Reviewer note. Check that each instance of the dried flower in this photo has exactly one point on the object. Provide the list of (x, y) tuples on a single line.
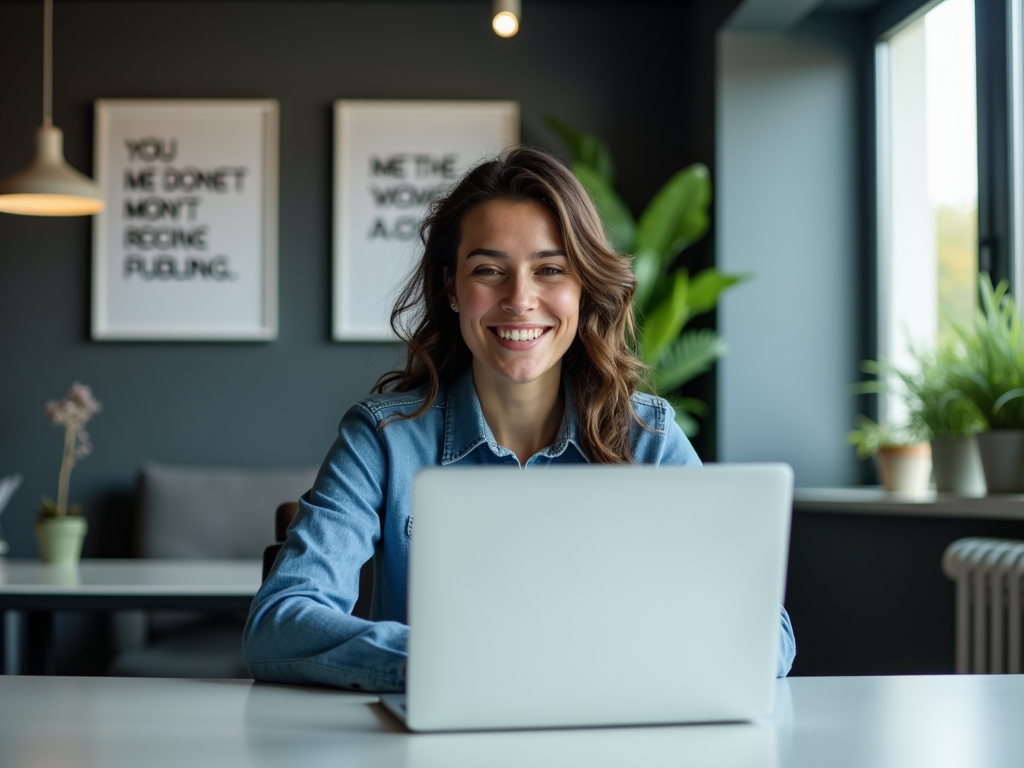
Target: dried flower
[(72, 413)]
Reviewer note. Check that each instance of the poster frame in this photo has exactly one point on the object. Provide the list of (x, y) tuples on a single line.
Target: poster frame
[(345, 151), (267, 112)]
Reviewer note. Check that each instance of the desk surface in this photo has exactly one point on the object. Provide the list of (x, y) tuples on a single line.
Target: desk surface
[(854, 722), (124, 584), (132, 577)]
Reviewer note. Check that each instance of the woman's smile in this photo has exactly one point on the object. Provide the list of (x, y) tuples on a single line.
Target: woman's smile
[(519, 337)]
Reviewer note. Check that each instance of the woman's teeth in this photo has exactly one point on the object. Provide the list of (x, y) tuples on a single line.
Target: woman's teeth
[(517, 335)]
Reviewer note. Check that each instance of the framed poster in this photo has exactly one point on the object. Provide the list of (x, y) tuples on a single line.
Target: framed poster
[(391, 159), (186, 249)]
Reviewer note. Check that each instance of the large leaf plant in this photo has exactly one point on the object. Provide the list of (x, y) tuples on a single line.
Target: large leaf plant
[(667, 296)]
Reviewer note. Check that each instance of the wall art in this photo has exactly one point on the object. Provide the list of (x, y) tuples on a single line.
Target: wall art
[(187, 247), (391, 159)]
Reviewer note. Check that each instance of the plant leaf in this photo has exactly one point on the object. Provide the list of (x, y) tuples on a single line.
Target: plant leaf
[(647, 268), (705, 287), (667, 319), (584, 147), (677, 215), (619, 225), (690, 355), (684, 407)]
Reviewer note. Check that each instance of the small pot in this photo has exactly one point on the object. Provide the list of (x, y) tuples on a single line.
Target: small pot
[(905, 468), (60, 539), (956, 466), (1002, 457)]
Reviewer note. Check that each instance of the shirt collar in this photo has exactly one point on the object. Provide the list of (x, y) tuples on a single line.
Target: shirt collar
[(465, 427)]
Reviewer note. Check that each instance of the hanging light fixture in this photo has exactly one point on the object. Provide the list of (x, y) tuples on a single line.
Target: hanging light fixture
[(48, 186), (506, 17)]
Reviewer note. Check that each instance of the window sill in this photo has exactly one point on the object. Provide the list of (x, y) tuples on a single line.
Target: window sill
[(874, 501)]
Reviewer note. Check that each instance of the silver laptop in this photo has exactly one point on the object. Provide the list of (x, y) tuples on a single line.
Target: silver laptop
[(594, 595)]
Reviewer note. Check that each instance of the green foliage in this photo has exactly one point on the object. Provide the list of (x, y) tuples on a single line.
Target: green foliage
[(937, 407), (667, 298), (48, 508), (973, 382), (869, 437), (991, 373)]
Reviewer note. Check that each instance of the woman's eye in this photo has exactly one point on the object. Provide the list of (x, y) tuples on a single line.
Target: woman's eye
[(485, 271), (550, 271)]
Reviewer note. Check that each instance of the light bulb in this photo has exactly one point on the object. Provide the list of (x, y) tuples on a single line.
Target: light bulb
[(505, 24)]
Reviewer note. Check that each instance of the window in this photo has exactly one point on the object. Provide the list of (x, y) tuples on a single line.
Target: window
[(928, 182)]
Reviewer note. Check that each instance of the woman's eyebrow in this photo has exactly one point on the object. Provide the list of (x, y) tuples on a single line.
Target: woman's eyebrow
[(490, 252)]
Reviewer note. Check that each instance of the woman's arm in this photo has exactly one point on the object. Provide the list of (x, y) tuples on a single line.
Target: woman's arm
[(300, 627)]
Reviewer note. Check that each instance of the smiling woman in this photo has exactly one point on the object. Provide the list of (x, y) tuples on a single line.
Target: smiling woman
[(518, 354)]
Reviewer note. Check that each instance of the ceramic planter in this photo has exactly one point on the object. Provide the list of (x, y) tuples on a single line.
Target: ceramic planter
[(956, 466), (1002, 456), (905, 468), (60, 539)]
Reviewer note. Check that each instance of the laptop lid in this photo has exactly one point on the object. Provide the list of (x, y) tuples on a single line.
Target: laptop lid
[(595, 595)]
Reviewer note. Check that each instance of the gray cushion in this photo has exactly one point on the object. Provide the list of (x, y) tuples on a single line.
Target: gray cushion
[(204, 512)]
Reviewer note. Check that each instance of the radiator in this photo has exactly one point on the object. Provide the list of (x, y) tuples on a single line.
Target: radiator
[(988, 575)]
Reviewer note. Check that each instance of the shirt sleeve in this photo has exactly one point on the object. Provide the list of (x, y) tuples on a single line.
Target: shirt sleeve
[(300, 627), (787, 645), (676, 449)]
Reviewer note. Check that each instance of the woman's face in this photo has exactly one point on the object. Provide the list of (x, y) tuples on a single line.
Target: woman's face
[(518, 302)]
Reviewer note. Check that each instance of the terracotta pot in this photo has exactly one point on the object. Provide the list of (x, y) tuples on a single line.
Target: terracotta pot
[(956, 466), (60, 539), (1002, 456), (905, 468)]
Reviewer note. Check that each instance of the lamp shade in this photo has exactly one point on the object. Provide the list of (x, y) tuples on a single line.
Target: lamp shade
[(48, 186)]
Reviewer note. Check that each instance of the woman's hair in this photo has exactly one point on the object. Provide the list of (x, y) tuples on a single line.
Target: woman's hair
[(600, 364)]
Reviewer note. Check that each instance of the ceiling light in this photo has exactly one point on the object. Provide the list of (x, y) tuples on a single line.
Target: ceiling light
[(506, 17), (48, 186)]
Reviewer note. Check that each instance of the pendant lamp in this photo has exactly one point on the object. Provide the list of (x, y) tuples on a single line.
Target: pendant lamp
[(506, 15), (48, 186)]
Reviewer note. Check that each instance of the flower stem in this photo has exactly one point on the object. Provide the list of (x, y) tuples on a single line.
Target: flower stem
[(67, 462)]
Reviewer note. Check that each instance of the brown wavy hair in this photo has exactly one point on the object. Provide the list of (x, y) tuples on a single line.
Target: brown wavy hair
[(599, 363)]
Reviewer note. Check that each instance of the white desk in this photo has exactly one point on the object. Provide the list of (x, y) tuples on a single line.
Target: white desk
[(110, 585), (865, 722)]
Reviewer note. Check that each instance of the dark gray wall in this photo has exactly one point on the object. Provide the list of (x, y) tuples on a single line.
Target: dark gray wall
[(640, 75)]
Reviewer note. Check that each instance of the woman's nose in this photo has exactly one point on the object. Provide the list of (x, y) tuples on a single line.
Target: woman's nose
[(521, 296)]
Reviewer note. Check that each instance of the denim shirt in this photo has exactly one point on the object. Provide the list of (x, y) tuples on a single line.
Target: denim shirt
[(300, 627)]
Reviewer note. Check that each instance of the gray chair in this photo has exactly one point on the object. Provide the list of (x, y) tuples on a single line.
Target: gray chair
[(198, 513)]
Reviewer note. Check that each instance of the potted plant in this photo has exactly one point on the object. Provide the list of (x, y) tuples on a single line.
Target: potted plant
[(61, 529), (940, 413), (991, 377), (667, 296), (902, 455)]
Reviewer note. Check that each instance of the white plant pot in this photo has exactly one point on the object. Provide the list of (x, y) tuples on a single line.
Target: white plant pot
[(1002, 456), (956, 466), (905, 468)]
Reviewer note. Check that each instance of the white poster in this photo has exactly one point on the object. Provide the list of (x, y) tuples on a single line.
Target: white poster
[(392, 158), (187, 246)]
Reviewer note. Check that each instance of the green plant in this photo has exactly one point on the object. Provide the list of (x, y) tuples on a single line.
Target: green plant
[(870, 437), (667, 297), (991, 372), (938, 409)]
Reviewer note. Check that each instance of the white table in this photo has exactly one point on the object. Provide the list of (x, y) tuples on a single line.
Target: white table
[(37, 590), (855, 722)]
